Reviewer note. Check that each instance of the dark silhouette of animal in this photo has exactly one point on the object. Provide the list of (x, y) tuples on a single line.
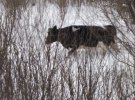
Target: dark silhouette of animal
[(75, 36)]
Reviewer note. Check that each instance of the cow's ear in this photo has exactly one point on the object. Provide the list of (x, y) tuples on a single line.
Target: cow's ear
[(55, 27)]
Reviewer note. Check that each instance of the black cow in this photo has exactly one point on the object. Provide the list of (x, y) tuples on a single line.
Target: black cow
[(75, 36)]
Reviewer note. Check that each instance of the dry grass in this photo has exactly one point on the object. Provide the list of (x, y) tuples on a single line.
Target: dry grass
[(32, 71)]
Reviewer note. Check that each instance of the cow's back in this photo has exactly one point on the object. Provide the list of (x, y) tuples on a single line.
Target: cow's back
[(76, 35)]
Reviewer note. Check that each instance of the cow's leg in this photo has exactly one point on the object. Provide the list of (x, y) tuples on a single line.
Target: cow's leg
[(107, 42), (72, 51), (94, 43), (73, 44), (113, 40)]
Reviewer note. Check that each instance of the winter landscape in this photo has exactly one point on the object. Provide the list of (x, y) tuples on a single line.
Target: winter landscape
[(30, 69)]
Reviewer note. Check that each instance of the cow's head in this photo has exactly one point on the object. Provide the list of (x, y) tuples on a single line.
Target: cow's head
[(52, 35)]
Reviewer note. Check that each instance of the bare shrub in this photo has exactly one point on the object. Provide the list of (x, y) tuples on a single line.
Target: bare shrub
[(32, 70)]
